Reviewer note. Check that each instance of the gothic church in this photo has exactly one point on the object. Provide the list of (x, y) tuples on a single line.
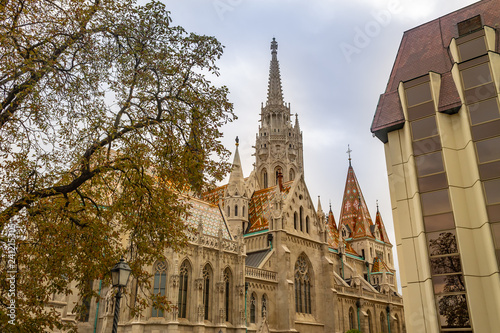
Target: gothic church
[(265, 259)]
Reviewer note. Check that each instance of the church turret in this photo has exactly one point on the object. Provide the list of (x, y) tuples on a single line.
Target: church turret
[(236, 196), (279, 143)]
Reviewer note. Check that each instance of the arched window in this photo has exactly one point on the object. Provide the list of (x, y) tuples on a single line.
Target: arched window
[(264, 306), (291, 174), (295, 218), (369, 319), (228, 211), (307, 224), (243, 211), (160, 281), (302, 286), (183, 289), (301, 218), (351, 318), (235, 210), (264, 178), (396, 324), (383, 324), (207, 274), (253, 305), (227, 289)]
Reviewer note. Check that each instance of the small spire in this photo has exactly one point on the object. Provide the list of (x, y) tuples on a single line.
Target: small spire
[(320, 209), (349, 151), (237, 141), (377, 205)]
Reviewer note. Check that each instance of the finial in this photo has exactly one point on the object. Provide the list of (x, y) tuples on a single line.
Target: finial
[(237, 141), (377, 205), (274, 46), (349, 151), (330, 201)]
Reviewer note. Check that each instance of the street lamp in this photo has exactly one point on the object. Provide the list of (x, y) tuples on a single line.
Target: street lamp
[(119, 277)]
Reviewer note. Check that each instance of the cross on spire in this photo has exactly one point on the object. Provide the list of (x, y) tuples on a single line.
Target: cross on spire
[(274, 46), (349, 151)]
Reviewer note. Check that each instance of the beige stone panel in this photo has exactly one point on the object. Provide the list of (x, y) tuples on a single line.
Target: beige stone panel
[(402, 98), (454, 50), (410, 173), (417, 220), (406, 142), (402, 266), (495, 68), (397, 226), (395, 147), (477, 251), (420, 309), (455, 73), (435, 84), (490, 36), (460, 166), (392, 192), (468, 206), (399, 182), (483, 296), (403, 220), (414, 254), (454, 129)]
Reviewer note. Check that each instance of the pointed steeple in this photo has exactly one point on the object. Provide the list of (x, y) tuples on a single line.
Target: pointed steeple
[(379, 224), (236, 176), (320, 209), (352, 202), (274, 92), (333, 232)]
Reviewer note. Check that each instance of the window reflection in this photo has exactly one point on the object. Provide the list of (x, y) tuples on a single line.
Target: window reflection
[(488, 150), (484, 111), (439, 222), (453, 311), (429, 164), (492, 189), (476, 76), (448, 283), (418, 94), (472, 48), (423, 128), (445, 265), (435, 202), (443, 242)]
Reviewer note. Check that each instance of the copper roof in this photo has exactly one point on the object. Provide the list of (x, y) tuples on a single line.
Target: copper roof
[(424, 49)]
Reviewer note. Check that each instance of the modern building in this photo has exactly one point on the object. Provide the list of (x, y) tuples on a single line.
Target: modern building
[(265, 259), (439, 120)]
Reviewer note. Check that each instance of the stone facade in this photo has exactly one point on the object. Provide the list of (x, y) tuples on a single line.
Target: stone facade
[(271, 261)]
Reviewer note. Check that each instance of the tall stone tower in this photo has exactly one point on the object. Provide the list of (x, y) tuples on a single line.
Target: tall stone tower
[(279, 143)]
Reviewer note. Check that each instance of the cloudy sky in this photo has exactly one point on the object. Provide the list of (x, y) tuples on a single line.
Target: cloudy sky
[(335, 60)]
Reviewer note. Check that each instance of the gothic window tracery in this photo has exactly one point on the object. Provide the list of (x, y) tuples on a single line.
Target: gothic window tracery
[(302, 286), (301, 218), (253, 305), (160, 281), (227, 289), (207, 275), (295, 219), (183, 289), (264, 306), (351, 318), (235, 210)]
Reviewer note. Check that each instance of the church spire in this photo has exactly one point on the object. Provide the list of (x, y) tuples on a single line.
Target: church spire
[(274, 91), (236, 175)]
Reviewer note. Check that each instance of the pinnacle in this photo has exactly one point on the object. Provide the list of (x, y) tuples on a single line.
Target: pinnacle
[(274, 92)]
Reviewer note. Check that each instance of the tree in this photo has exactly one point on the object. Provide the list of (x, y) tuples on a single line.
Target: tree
[(106, 114)]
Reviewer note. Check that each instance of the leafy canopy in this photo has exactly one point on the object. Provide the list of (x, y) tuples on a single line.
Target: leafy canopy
[(105, 112)]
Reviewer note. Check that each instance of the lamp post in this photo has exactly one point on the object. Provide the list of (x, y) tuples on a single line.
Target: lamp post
[(119, 276)]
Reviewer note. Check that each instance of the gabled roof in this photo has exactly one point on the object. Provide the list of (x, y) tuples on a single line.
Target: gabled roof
[(379, 266), (209, 216), (379, 224), (333, 232), (353, 197), (259, 208)]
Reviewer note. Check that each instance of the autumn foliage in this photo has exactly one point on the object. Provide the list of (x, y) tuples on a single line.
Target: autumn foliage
[(106, 111)]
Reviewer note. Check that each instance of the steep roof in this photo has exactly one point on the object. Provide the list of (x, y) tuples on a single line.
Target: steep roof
[(379, 224), (213, 196), (424, 49), (362, 226), (209, 216), (352, 202), (259, 208), (333, 232), (379, 266)]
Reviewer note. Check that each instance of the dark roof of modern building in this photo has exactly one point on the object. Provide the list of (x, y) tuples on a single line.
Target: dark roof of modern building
[(424, 49)]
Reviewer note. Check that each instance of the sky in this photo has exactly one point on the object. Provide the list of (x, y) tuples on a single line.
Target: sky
[(335, 60)]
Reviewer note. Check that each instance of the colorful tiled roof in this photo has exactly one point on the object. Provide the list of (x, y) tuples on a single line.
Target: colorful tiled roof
[(379, 266), (353, 197), (333, 232), (379, 224), (210, 217), (362, 226), (213, 196), (259, 209)]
